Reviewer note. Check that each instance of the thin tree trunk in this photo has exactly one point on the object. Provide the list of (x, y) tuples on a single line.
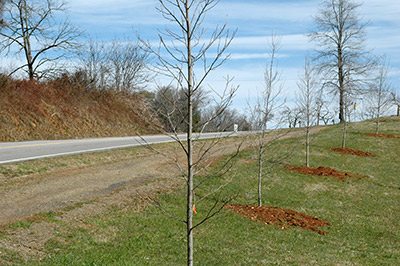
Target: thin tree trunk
[(260, 172), (342, 117), (378, 122), (308, 146), (344, 134), (190, 170), (398, 110), (26, 38), (378, 115)]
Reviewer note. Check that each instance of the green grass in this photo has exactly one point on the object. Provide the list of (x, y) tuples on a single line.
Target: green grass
[(364, 214)]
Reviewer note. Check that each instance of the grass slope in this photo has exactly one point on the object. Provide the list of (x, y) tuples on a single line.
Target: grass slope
[(364, 214)]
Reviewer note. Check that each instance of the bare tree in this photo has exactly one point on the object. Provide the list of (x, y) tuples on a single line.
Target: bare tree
[(320, 102), (307, 86), (1, 13), (93, 65), (226, 121), (170, 105), (264, 109), (127, 66), (349, 108), (379, 96), (327, 116), (32, 28), (396, 101), (292, 116), (341, 55), (188, 54), (119, 66)]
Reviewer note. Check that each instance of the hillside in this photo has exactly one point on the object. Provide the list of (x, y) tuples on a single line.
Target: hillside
[(63, 108)]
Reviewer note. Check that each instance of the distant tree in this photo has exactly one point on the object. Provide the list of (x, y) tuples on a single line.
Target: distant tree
[(379, 95), (341, 55), (319, 102), (349, 105), (93, 65), (170, 105), (127, 66), (292, 116), (33, 29), (119, 66), (307, 86), (226, 120), (327, 116), (396, 101)]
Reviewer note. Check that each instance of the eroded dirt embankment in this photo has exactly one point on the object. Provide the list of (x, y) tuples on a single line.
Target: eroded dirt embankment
[(64, 108)]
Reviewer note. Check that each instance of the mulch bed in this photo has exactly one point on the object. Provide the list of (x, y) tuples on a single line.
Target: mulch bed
[(283, 218), (386, 136), (353, 152), (323, 171)]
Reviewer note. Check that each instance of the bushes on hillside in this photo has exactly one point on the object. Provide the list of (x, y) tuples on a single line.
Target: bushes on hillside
[(65, 108)]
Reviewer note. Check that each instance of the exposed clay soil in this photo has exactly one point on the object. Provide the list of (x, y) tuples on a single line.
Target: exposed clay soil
[(386, 136), (353, 152), (283, 218), (65, 109), (323, 171)]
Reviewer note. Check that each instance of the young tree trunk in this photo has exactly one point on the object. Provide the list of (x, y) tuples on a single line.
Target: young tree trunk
[(377, 125), (190, 170), (344, 134), (398, 110), (308, 146), (342, 106), (260, 172)]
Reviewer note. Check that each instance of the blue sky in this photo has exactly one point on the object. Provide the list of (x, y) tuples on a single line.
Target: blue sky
[(255, 21)]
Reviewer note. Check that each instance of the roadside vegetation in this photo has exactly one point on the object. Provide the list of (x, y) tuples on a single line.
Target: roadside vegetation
[(362, 213), (65, 108)]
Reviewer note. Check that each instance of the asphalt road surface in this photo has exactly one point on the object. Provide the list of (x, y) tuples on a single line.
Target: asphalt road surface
[(11, 152)]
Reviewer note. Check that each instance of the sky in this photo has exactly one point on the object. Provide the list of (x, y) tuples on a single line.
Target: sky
[(255, 21)]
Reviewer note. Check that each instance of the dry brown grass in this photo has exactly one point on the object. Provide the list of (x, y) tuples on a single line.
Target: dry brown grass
[(63, 108)]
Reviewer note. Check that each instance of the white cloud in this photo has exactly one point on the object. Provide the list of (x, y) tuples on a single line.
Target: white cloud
[(287, 42), (267, 10), (101, 5)]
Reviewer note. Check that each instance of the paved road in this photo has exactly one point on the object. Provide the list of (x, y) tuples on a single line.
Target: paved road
[(11, 152)]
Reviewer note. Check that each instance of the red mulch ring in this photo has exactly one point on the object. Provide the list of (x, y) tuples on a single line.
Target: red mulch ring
[(353, 152), (386, 136), (323, 171), (283, 218)]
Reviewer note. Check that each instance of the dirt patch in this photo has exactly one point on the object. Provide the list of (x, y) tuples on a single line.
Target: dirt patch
[(323, 171), (283, 218), (386, 136), (353, 152)]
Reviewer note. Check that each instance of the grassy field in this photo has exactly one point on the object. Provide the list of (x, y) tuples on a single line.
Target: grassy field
[(364, 214)]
